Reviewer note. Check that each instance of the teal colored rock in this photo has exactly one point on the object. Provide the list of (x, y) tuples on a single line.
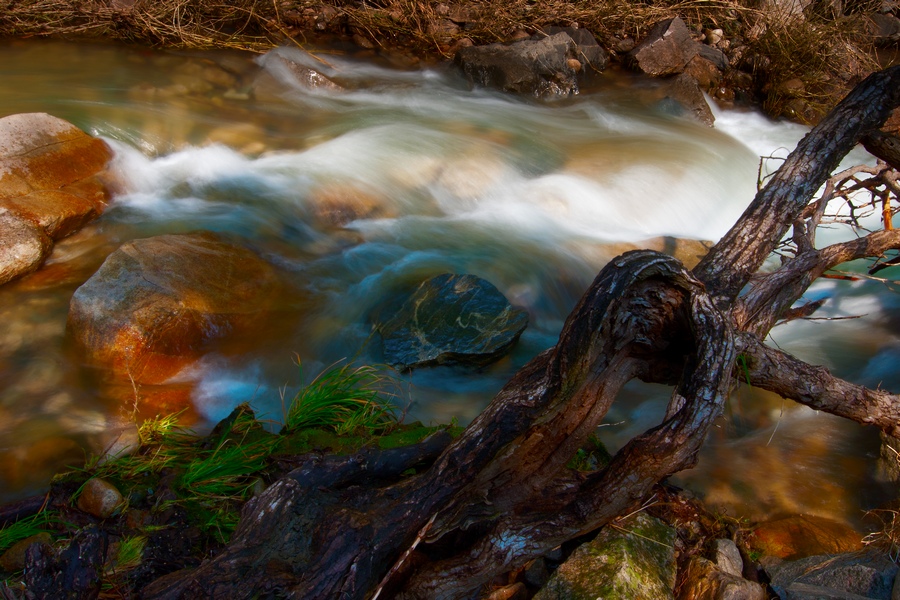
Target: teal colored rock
[(451, 319), (634, 559)]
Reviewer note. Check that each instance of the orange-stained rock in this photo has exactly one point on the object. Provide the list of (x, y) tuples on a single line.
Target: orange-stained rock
[(53, 180), (155, 304), (57, 213), (799, 536), (42, 152)]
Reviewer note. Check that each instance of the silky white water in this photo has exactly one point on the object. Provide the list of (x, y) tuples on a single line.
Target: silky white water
[(534, 197)]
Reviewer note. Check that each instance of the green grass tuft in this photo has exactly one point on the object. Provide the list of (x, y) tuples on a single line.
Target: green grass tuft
[(226, 472), (27, 527), (343, 400)]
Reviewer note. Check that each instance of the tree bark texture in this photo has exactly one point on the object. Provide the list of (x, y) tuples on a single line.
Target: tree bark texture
[(501, 494)]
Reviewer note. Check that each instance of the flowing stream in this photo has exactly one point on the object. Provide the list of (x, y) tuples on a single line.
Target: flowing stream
[(534, 197)]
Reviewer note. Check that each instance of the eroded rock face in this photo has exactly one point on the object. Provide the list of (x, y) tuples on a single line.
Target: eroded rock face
[(451, 319), (52, 182), (538, 68), (155, 304)]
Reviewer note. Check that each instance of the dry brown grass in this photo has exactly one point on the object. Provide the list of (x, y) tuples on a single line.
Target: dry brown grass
[(247, 24)]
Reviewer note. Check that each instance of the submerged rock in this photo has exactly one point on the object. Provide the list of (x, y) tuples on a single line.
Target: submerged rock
[(798, 536), (52, 182), (451, 319), (155, 303), (635, 559)]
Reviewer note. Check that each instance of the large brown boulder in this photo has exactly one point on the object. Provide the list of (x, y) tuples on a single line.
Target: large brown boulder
[(666, 50), (155, 304), (52, 182)]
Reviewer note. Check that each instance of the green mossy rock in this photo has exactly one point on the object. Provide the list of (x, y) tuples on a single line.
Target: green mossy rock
[(634, 559)]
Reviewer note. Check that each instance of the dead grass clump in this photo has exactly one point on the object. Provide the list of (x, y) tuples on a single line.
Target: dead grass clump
[(804, 65), (245, 24)]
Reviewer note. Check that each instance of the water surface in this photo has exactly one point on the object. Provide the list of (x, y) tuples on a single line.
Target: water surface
[(535, 197)]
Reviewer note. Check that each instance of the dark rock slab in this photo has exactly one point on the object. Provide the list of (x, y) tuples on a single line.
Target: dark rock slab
[(588, 50), (885, 29), (73, 573), (451, 319), (539, 68), (868, 574)]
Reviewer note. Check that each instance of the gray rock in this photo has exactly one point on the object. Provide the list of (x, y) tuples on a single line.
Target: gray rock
[(728, 557), (23, 246), (666, 50), (868, 574), (536, 573), (784, 12), (451, 319), (635, 559), (713, 55), (539, 68), (885, 29)]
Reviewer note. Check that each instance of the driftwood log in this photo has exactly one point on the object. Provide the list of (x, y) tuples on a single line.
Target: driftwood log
[(501, 494)]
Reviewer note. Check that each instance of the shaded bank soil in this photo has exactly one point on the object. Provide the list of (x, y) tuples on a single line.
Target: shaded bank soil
[(794, 58), (113, 527), (167, 499)]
